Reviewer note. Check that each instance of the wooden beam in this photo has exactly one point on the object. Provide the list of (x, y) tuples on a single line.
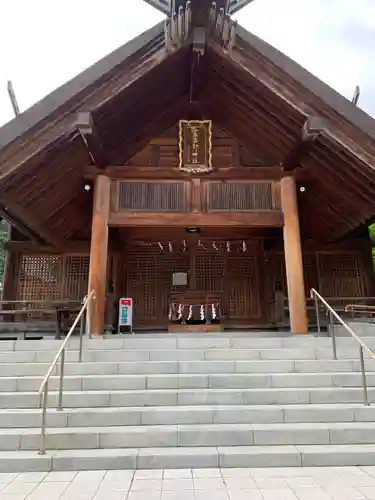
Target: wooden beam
[(98, 253), (182, 219), (21, 227), (85, 125), (293, 256), (78, 247), (143, 172), (312, 128)]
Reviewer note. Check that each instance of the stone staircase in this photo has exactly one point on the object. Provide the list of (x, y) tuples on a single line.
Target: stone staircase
[(170, 401)]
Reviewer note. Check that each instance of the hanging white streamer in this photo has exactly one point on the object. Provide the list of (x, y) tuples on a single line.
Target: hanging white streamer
[(213, 310), (160, 246), (180, 309), (202, 312), (190, 312), (170, 247)]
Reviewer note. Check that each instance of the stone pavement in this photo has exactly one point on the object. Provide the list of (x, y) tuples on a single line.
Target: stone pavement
[(325, 483)]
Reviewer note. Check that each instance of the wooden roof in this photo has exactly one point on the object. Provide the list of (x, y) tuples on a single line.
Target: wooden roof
[(256, 93)]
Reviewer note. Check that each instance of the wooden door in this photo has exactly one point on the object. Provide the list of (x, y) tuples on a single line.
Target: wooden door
[(243, 287)]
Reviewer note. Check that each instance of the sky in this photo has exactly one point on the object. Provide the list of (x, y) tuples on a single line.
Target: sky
[(43, 44)]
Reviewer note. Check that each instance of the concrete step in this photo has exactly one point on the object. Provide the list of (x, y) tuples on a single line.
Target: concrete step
[(24, 368), (189, 457), (169, 341), (170, 397), (186, 435), (188, 381), (214, 354), (174, 415)]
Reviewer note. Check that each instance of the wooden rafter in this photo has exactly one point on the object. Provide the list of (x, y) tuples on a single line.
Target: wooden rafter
[(86, 127)]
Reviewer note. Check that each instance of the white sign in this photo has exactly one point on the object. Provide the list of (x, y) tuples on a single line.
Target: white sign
[(125, 317)]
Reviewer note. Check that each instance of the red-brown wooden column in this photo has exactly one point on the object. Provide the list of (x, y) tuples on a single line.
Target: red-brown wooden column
[(98, 252), (293, 256)]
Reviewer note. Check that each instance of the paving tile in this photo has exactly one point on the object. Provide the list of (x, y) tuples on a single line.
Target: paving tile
[(235, 472), (312, 494), (240, 483), (118, 476), (279, 494), (19, 488), (211, 495), (48, 491), (271, 483), (302, 482), (368, 492), (145, 495), (176, 495), (206, 473), (148, 474), (209, 484), (146, 485), (30, 477), (110, 495), (7, 477), (245, 495), (12, 497), (60, 476), (178, 473), (177, 484), (344, 493), (74, 495)]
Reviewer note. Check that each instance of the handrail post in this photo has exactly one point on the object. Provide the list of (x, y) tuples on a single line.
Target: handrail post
[(42, 447), (62, 363), (364, 381), (81, 332), (333, 335), (317, 312)]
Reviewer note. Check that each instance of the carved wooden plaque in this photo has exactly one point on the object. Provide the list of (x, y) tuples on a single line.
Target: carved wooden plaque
[(195, 145)]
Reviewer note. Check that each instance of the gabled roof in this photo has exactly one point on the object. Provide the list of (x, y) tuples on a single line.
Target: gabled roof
[(256, 93)]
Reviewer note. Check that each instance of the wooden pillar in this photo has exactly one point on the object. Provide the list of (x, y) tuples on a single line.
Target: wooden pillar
[(98, 252), (293, 256)]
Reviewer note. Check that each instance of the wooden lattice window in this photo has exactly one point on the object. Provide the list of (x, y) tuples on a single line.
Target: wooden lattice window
[(76, 276), (40, 277), (152, 196), (340, 275), (209, 269), (240, 196)]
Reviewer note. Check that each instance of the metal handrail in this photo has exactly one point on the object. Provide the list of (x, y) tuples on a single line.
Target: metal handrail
[(362, 346), (43, 389)]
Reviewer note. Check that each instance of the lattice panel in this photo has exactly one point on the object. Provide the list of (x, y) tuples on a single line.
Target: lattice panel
[(76, 276), (209, 269), (244, 196), (340, 275), (142, 274), (243, 287), (310, 271), (40, 277), (152, 196)]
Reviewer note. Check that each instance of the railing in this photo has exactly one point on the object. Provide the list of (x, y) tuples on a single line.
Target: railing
[(43, 390), (362, 346)]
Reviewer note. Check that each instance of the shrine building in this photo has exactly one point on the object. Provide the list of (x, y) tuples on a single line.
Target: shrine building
[(198, 172)]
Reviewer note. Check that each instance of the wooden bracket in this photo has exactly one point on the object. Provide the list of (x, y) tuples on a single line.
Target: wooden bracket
[(84, 123), (311, 130)]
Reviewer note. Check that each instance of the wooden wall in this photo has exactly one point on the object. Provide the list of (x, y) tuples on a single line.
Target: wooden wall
[(249, 280), (52, 277), (226, 151)]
